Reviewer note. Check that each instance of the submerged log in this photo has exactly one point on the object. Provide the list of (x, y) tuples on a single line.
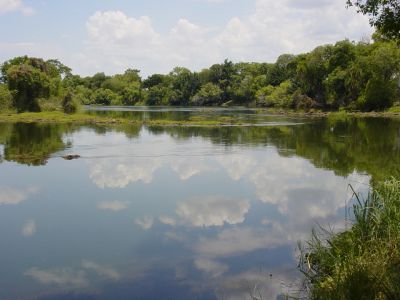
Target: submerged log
[(71, 156)]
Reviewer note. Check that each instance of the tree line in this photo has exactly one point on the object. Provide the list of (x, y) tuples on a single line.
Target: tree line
[(357, 76)]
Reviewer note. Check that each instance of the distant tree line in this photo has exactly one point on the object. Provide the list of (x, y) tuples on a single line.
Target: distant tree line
[(357, 76)]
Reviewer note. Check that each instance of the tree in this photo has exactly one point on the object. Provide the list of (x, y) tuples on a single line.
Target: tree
[(31, 78), (209, 94), (28, 84), (104, 97), (5, 97), (185, 84), (379, 94), (383, 14), (131, 94)]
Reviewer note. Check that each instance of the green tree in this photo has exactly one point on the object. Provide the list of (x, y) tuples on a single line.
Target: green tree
[(383, 14), (379, 94), (184, 84), (131, 94), (5, 98), (209, 94), (104, 97), (28, 84)]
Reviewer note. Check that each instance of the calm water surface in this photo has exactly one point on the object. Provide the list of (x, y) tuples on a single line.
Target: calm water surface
[(177, 212)]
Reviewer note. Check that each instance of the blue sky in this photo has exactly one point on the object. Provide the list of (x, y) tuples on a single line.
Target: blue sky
[(154, 35)]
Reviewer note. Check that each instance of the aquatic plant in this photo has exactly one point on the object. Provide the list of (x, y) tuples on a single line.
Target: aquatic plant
[(364, 261)]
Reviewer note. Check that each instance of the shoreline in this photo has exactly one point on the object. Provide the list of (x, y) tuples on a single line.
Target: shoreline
[(84, 118)]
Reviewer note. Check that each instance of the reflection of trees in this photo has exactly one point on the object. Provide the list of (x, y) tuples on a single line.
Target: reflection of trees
[(357, 144), (32, 144)]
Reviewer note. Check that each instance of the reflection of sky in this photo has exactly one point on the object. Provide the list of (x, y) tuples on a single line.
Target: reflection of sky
[(157, 217)]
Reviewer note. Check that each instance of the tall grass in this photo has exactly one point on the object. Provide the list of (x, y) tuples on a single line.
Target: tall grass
[(364, 261)]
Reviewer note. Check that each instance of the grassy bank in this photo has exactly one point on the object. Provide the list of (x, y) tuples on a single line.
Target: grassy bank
[(83, 118), (363, 262)]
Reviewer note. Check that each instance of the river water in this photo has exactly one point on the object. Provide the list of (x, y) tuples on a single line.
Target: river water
[(178, 212)]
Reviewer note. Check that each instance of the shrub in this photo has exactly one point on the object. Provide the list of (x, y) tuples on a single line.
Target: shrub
[(69, 105)]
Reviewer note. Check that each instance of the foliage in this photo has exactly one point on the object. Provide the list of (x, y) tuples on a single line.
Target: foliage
[(362, 262), (279, 96), (30, 79), (28, 84), (68, 103), (5, 98), (209, 94), (347, 75), (103, 96), (384, 14)]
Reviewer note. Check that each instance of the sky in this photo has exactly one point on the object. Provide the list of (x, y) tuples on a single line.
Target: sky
[(155, 36)]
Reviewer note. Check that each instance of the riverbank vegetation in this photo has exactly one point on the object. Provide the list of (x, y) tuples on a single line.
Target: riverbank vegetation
[(363, 262), (362, 76)]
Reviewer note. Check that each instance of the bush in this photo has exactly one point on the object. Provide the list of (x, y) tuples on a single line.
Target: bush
[(69, 105), (51, 104)]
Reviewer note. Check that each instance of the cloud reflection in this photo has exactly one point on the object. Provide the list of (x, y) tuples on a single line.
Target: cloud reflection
[(211, 267), (105, 272), (119, 173), (29, 228), (113, 205), (146, 223), (213, 211), (12, 196), (65, 278)]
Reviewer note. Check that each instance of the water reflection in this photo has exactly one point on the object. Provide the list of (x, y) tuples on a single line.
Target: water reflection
[(154, 213), (212, 211)]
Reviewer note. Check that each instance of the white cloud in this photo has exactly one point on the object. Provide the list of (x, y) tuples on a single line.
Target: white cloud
[(115, 27), (8, 6), (113, 205), (29, 228), (117, 41), (11, 196), (213, 211), (146, 223)]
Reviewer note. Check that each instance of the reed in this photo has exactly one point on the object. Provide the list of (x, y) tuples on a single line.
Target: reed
[(364, 261)]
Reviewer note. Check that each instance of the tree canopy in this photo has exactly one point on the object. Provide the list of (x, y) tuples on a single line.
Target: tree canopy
[(356, 76), (383, 14)]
